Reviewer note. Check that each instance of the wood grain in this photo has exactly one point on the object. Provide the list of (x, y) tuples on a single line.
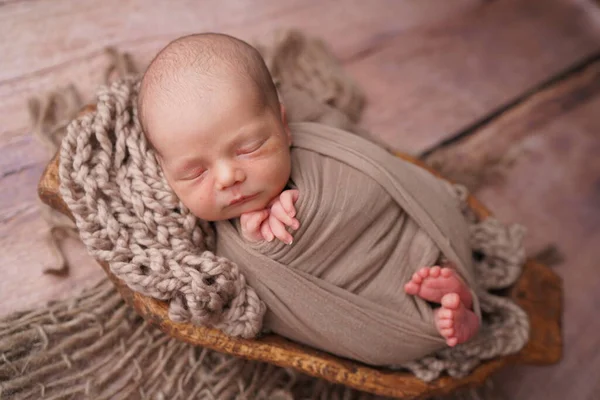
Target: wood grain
[(538, 292), (440, 80), (480, 157)]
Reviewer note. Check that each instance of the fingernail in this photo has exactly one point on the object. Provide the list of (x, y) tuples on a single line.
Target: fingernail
[(291, 241), (270, 238), (295, 225)]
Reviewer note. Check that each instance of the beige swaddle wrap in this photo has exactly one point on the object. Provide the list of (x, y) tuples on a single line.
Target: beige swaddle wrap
[(369, 220)]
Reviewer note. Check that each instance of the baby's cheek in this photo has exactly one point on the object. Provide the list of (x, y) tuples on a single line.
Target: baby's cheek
[(204, 198), (193, 199), (277, 177)]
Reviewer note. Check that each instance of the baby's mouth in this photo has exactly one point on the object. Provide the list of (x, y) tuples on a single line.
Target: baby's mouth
[(242, 199)]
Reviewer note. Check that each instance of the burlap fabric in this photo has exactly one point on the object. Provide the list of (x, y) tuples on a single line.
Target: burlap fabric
[(37, 346)]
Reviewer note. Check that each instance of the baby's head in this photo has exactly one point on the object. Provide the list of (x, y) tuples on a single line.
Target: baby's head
[(210, 110)]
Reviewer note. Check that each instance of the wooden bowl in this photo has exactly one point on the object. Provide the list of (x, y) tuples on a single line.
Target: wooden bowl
[(538, 291)]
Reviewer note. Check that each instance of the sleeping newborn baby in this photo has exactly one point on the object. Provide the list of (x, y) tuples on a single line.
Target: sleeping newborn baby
[(344, 261)]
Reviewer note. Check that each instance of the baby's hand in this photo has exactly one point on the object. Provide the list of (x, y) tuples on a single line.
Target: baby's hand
[(252, 223), (282, 213), (270, 223)]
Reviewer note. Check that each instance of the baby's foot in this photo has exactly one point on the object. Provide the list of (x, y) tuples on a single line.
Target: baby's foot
[(432, 283), (454, 321)]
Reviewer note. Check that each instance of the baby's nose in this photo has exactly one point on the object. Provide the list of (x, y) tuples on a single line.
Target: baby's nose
[(228, 175)]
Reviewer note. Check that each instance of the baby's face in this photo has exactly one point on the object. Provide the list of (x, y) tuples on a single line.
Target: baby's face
[(222, 156)]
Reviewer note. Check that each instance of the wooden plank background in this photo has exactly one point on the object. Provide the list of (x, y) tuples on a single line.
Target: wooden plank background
[(505, 82)]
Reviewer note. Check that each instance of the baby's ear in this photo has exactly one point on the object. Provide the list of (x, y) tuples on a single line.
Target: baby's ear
[(285, 124)]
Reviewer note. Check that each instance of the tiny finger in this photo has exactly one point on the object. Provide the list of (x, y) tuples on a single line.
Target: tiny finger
[(279, 231), (265, 230), (257, 219), (253, 224), (278, 212), (288, 199)]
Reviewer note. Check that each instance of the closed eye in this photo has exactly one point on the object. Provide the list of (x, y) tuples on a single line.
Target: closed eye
[(251, 148), (194, 175)]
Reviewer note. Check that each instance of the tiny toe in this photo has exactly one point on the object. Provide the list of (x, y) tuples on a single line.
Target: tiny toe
[(452, 341), (451, 301), (434, 271), (411, 288), (416, 278), (423, 272), (445, 314), (446, 272), (446, 323), (446, 332)]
